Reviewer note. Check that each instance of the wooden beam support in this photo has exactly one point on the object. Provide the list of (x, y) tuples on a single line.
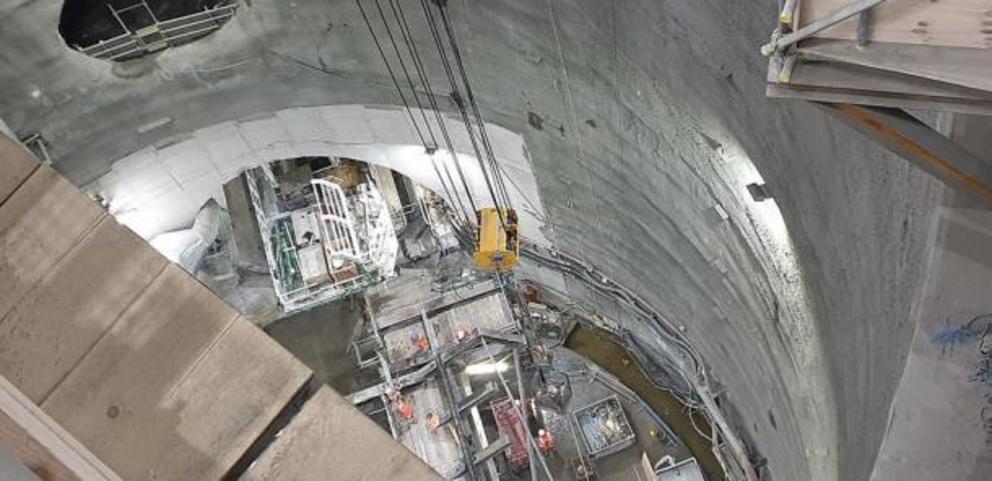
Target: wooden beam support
[(41, 444)]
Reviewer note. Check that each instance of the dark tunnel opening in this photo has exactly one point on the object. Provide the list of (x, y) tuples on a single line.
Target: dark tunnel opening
[(147, 25)]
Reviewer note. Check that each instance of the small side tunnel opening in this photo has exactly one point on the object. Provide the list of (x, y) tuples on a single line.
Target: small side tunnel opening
[(119, 30)]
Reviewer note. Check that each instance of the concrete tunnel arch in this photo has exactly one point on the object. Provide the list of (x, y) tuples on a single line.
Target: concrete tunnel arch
[(160, 188)]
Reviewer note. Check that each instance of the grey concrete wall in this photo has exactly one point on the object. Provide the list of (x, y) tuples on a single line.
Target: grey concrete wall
[(651, 112), (940, 425)]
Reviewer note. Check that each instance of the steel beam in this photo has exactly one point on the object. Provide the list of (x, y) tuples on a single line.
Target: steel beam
[(918, 143)]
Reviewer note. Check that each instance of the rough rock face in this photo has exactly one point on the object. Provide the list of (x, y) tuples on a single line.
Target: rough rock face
[(640, 116)]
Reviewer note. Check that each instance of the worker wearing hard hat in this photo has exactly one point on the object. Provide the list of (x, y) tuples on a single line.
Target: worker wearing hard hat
[(546, 442), (401, 405)]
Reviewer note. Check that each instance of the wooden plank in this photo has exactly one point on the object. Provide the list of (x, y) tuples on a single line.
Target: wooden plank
[(60, 320), (839, 75), (39, 223), (41, 444), (16, 164), (230, 398), (869, 98), (330, 439), (966, 67), (949, 23), (114, 400)]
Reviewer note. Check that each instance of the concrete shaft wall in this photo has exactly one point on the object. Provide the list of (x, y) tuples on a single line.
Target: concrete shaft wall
[(639, 117)]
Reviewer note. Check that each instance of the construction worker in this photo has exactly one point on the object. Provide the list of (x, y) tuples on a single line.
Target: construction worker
[(433, 421), (511, 230), (421, 343), (546, 442), (405, 410), (401, 405)]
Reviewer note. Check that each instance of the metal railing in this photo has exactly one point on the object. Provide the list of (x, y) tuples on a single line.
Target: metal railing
[(159, 34), (305, 296), (336, 223)]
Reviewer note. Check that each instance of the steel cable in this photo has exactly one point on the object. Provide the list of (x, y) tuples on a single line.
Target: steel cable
[(459, 102), (470, 96), (389, 69), (418, 65)]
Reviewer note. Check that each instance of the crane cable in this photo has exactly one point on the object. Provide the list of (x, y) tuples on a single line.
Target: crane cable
[(489, 167), (456, 54), (389, 69), (456, 93), (470, 96), (400, 16), (406, 73), (451, 197)]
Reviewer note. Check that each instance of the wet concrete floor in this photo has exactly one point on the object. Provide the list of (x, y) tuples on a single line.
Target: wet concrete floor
[(321, 339), (604, 350)]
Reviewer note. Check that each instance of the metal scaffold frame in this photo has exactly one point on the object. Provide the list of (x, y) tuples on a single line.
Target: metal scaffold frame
[(458, 407), (338, 238)]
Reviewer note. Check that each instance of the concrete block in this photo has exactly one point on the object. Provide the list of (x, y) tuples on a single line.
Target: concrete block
[(186, 161), (263, 133), (58, 321), (39, 224), (120, 400), (228, 400), (346, 124), (303, 124), (33, 447), (223, 144), (330, 439), (391, 129)]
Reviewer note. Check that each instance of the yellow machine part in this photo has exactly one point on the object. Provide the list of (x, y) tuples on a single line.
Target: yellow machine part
[(495, 250)]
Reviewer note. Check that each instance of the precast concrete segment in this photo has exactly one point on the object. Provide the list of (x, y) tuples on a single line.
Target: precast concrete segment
[(318, 443), (643, 120)]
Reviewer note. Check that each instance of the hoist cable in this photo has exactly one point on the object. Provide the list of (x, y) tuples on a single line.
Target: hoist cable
[(406, 105), (456, 53), (439, 44), (444, 185), (406, 73), (422, 74), (389, 69)]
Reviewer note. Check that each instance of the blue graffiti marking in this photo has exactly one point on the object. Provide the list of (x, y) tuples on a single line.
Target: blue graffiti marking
[(983, 369), (948, 337)]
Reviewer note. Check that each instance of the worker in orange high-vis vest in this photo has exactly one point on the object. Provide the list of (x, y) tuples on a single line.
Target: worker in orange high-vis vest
[(401, 405), (405, 409), (546, 442)]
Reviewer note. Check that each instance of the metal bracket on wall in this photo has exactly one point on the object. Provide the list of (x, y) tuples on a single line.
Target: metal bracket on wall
[(920, 144)]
